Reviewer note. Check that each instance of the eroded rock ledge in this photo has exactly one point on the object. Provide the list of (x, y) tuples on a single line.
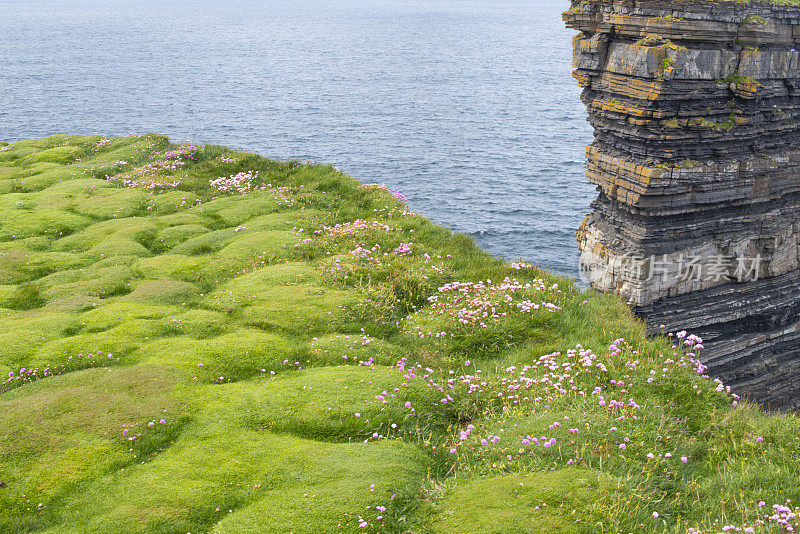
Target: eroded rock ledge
[(696, 113)]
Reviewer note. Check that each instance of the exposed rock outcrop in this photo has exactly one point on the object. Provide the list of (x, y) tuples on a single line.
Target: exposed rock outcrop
[(696, 113)]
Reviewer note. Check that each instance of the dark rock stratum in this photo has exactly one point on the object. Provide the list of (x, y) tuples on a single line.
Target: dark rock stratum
[(696, 113)]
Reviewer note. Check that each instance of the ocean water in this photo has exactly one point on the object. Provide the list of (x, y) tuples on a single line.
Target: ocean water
[(467, 107)]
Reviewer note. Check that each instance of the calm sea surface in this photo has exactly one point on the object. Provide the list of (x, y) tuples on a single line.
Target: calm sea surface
[(467, 107)]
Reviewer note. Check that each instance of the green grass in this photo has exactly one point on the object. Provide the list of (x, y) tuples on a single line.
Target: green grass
[(292, 359), (567, 500)]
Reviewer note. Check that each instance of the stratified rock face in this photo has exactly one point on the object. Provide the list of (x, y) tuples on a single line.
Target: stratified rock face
[(696, 113)]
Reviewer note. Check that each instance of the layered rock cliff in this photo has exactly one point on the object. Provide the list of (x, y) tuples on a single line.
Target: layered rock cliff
[(696, 113)]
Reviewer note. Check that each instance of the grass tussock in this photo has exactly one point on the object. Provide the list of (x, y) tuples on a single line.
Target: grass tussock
[(200, 340)]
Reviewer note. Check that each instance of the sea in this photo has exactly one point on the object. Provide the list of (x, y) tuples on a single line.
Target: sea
[(467, 107)]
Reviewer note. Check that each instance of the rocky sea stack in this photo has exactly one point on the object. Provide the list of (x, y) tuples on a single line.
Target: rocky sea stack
[(696, 113)]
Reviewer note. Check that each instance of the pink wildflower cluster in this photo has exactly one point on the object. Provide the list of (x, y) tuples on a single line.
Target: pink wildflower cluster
[(404, 249), (392, 211), (395, 194), (141, 178), (362, 260), (80, 361), (283, 195), (349, 229), (578, 375), (179, 154), (556, 374), (504, 389), (241, 182), (157, 174), (783, 517), (481, 303), (333, 239), (364, 254)]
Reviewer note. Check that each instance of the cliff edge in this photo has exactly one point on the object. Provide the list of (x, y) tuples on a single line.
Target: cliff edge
[(696, 113)]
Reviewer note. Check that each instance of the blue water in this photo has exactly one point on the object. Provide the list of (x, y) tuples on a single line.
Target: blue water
[(465, 106)]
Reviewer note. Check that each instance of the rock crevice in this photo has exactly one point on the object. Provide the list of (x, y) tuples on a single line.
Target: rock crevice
[(696, 112)]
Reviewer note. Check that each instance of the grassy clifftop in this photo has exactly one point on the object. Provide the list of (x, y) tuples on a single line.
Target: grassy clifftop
[(195, 339)]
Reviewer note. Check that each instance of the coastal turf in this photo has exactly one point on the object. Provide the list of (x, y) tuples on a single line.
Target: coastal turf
[(195, 339)]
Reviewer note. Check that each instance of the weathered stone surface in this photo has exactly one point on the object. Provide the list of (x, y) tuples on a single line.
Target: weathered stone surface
[(696, 112)]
